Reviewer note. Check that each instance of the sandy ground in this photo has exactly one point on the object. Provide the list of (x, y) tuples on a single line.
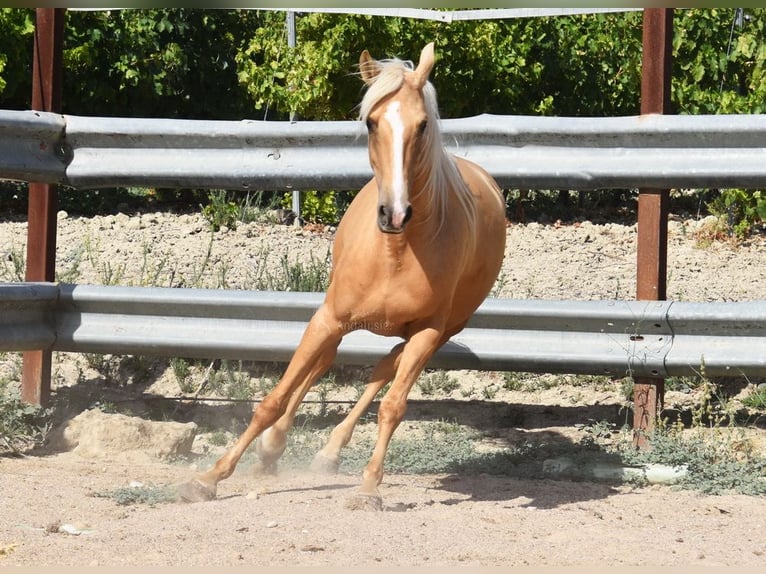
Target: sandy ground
[(52, 513), (427, 520)]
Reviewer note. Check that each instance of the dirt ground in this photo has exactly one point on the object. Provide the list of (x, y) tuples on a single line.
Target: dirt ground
[(301, 519), (53, 512)]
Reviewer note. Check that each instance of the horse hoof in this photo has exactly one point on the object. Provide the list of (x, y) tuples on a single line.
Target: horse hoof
[(324, 465), (365, 502), (195, 491)]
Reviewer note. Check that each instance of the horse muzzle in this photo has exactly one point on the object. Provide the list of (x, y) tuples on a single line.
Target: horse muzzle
[(391, 220)]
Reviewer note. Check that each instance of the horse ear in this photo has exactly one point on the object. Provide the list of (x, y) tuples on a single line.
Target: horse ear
[(426, 64), (368, 68)]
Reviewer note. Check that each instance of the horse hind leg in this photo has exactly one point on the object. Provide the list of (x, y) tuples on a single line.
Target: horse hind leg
[(415, 355), (327, 460)]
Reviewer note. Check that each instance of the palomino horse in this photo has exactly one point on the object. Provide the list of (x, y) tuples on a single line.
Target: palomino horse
[(415, 254)]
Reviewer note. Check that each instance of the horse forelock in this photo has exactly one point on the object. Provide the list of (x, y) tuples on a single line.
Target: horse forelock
[(389, 79), (436, 167)]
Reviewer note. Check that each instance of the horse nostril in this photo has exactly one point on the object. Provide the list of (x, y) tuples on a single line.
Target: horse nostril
[(407, 214)]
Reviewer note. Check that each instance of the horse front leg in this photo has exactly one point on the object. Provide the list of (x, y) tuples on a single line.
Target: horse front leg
[(314, 355), (271, 444), (415, 355)]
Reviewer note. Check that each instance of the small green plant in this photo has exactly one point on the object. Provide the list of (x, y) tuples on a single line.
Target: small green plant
[(182, 372), (437, 382), (105, 365), (757, 399), (218, 438), (231, 380), (221, 211), (150, 495), (311, 277), (153, 269), (316, 206), (68, 269), (489, 391), (14, 265), (290, 274), (717, 461), (22, 426), (198, 270), (529, 382), (739, 210)]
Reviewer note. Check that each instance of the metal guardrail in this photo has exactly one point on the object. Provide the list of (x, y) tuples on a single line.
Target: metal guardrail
[(617, 338), (521, 152)]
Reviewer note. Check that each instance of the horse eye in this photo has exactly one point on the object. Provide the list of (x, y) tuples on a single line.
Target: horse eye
[(370, 126), (422, 127)]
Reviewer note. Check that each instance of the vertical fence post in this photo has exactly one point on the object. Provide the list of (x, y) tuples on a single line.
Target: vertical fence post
[(653, 206), (41, 220), (291, 42)]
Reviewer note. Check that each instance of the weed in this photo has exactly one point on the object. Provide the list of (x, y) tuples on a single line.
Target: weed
[(104, 365), (68, 269), (218, 438), (199, 271), (528, 382), (220, 211), (152, 270), (717, 462), (151, 495), (223, 211), (230, 380), (313, 277), (316, 206), (489, 391), (439, 446), (22, 425), (322, 388), (682, 384), (436, 382), (182, 373), (739, 211), (719, 459), (14, 265), (756, 399)]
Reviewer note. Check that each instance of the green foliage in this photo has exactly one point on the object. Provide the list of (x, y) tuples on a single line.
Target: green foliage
[(740, 210), (221, 212), (316, 206), (312, 277), (13, 265), (22, 425), (229, 64), (756, 400), (716, 462), (17, 27), (213, 63), (440, 446), (292, 274), (229, 209), (149, 495), (719, 64), (167, 62), (437, 382)]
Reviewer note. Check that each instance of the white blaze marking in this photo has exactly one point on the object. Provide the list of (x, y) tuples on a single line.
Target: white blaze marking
[(394, 119)]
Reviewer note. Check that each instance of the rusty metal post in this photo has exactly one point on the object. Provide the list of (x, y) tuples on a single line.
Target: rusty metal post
[(653, 206), (47, 71)]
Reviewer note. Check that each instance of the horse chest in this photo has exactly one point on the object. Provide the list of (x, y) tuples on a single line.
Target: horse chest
[(386, 299)]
